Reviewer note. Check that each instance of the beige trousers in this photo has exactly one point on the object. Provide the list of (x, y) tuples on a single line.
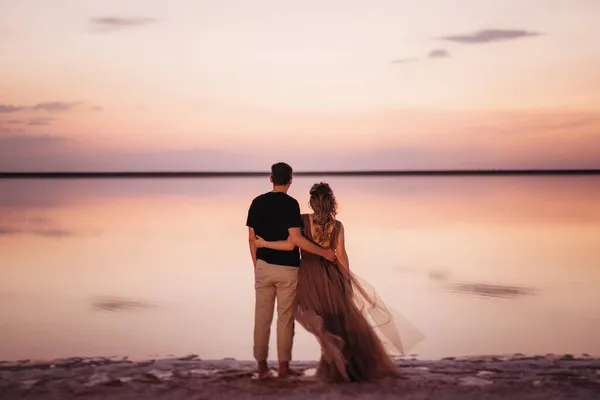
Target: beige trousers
[(274, 282)]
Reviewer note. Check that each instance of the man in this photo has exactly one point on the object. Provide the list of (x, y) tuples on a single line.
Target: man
[(274, 216)]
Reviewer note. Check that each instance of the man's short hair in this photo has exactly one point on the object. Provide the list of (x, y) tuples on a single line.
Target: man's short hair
[(281, 174)]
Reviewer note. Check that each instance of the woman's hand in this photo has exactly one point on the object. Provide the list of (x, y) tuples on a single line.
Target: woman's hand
[(260, 242)]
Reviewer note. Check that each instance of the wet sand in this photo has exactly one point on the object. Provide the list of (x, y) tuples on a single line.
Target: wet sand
[(486, 377)]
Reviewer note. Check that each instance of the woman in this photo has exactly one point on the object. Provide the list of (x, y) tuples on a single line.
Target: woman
[(335, 305)]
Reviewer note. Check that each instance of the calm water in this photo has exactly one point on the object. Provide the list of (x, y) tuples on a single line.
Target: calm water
[(161, 266)]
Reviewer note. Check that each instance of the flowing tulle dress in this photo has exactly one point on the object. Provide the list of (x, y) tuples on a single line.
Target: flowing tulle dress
[(358, 334)]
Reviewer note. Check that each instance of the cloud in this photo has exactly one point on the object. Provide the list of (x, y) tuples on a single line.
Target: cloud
[(31, 151), (471, 149), (40, 121), (15, 142), (56, 233), (109, 24), (588, 120), (7, 108), (438, 53), (531, 123), (490, 35), (404, 60), (9, 231), (6, 131), (57, 153), (54, 106)]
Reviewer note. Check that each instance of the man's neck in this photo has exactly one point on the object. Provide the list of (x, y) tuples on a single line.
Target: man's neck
[(282, 189)]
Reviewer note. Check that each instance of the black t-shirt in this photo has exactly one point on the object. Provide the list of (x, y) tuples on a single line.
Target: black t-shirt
[(271, 215)]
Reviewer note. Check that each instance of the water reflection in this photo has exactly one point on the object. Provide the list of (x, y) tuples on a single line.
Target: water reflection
[(114, 304), (439, 275), (489, 291), (22, 223), (432, 247), (403, 269)]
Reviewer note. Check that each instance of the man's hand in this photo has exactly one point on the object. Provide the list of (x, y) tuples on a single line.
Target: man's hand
[(252, 244), (299, 240), (329, 254)]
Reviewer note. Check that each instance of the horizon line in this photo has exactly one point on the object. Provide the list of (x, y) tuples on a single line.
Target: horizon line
[(242, 174)]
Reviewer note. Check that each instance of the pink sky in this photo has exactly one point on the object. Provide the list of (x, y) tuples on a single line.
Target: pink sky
[(236, 85)]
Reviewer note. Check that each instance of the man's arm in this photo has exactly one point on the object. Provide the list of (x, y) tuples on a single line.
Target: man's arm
[(342, 255), (252, 244), (251, 223), (306, 245)]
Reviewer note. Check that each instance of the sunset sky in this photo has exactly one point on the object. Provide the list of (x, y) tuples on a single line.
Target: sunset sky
[(354, 84)]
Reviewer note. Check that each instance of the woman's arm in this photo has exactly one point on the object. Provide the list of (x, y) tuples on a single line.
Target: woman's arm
[(342, 256), (284, 245)]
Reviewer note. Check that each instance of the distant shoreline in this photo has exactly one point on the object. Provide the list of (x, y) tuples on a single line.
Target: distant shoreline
[(250, 174)]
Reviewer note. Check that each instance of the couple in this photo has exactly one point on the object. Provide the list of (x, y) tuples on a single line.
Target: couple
[(317, 290)]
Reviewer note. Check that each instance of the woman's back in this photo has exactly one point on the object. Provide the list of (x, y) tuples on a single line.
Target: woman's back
[(322, 235)]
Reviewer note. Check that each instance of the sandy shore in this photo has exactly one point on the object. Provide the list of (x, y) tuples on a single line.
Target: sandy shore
[(493, 377)]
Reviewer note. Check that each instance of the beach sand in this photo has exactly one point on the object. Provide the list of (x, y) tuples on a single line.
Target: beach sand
[(486, 377)]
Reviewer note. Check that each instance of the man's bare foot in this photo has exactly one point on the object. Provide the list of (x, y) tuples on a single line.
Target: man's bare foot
[(285, 370), (263, 369), (293, 372)]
